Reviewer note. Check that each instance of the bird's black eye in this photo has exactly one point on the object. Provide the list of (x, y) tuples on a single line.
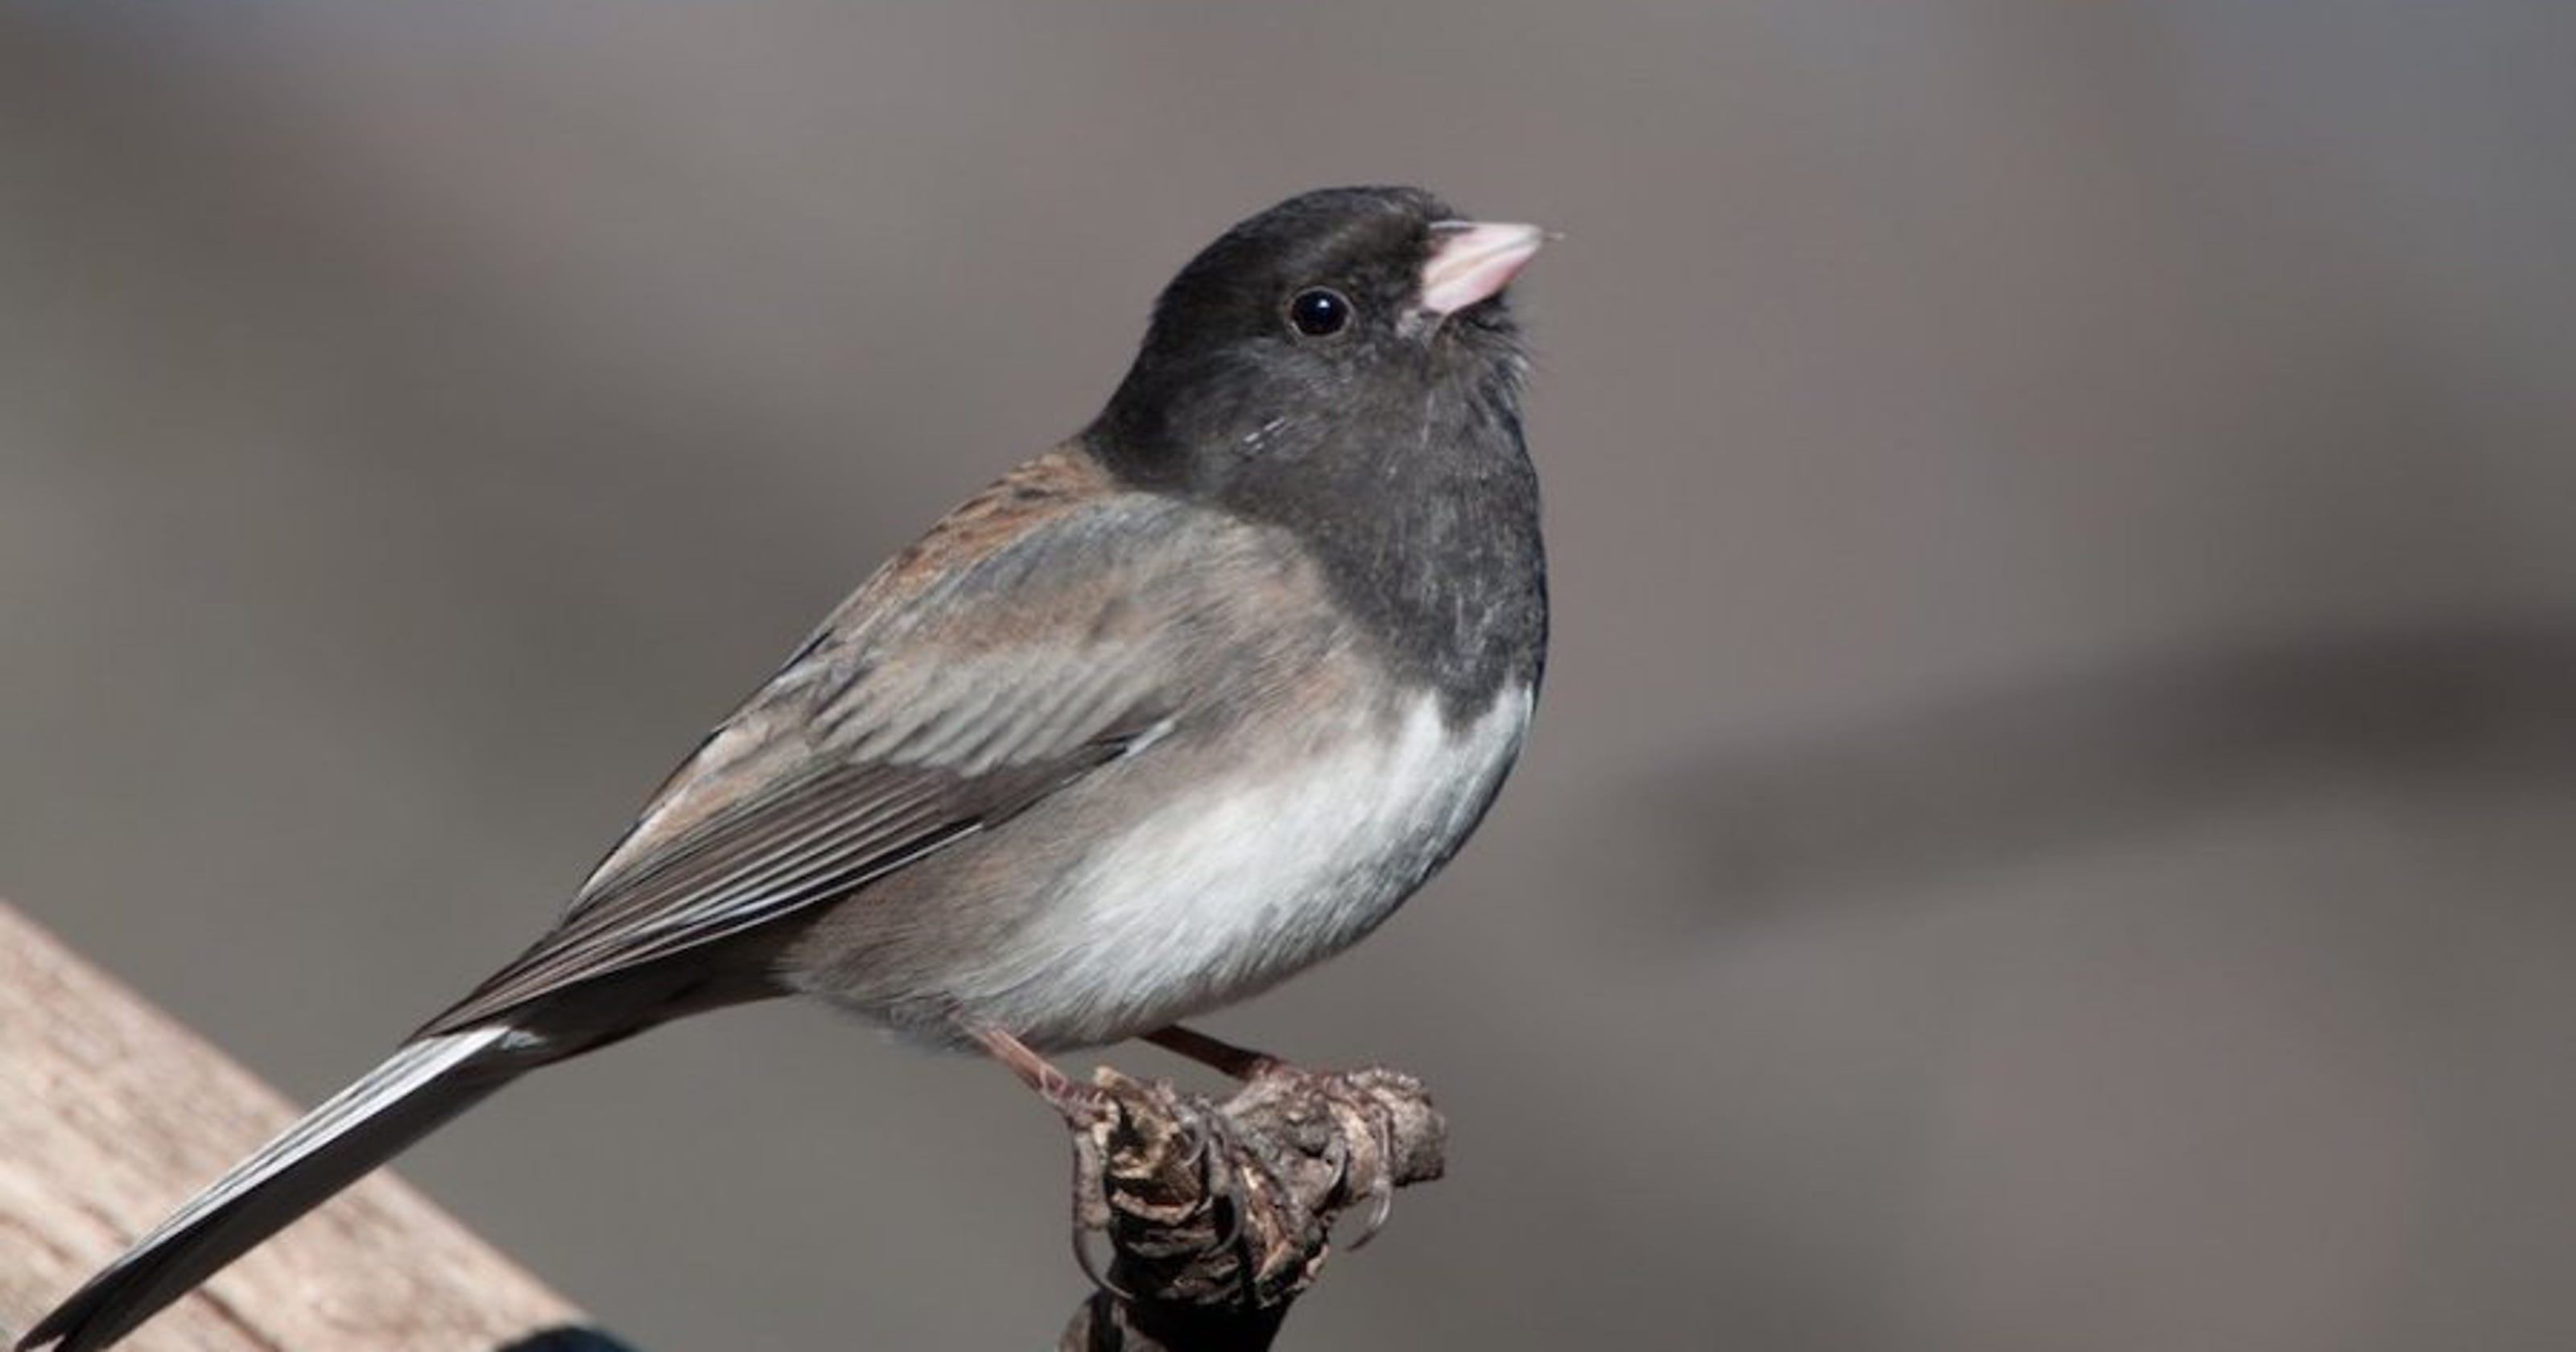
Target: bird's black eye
[(1319, 312)]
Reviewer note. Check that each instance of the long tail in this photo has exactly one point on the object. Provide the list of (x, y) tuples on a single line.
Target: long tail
[(362, 1126)]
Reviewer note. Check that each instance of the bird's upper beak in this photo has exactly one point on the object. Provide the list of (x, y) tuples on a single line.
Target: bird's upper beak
[(1472, 260)]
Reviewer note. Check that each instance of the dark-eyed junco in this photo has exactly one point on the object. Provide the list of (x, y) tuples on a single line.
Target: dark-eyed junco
[(1170, 712)]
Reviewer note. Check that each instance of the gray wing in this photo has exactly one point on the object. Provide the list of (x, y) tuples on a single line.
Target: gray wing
[(981, 672)]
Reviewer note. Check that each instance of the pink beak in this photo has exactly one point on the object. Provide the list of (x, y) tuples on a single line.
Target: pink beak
[(1472, 260)]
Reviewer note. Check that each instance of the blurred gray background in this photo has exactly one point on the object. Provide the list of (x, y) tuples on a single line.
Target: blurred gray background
[(2052, 820)]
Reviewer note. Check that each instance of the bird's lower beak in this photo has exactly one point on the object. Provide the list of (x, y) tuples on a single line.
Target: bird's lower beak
[(1472, 260)]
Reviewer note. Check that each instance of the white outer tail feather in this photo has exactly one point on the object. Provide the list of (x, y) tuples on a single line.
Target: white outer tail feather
[(223, 1221)]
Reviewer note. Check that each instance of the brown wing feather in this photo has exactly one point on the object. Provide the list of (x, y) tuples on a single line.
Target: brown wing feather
[(980, 670), (807, 843)]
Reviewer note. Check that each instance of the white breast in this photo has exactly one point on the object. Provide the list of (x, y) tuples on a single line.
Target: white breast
[(1259, 874)]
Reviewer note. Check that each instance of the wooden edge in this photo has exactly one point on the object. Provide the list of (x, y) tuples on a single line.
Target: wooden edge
[(111, 1114)]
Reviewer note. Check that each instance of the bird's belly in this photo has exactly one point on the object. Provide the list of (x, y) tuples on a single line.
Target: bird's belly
[(1258, 873)]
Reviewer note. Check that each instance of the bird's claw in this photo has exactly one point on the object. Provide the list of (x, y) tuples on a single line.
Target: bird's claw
[(1091, 1213), (1365, 1141)]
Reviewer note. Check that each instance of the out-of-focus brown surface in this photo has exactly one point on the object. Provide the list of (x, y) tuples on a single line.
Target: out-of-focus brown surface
[(110, 1107), (2055, 803)]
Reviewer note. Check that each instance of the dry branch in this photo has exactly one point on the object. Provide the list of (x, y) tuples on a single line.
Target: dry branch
[(1220, 1216)]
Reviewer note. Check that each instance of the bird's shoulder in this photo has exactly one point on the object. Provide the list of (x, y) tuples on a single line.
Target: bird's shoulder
[(1033, 502), (1055, 569), (1054, 610)]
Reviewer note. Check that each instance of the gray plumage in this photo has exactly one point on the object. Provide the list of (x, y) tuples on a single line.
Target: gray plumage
[(1160, 718)]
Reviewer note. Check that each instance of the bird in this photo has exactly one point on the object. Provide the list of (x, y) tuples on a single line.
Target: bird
[(1181, 706)]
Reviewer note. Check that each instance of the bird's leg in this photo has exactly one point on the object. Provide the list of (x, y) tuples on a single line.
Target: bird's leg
[(1083, 1107), (1242, 1063), (1079, 1104)]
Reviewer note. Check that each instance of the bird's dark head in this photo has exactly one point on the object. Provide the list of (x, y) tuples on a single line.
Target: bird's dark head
[(1315, 340)]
